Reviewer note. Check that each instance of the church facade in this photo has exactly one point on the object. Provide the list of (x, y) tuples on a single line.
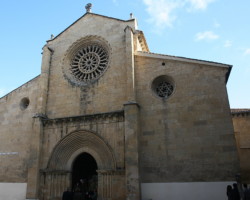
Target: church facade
[(129, 123)]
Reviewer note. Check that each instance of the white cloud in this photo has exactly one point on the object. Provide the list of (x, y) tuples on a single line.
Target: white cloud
[(115, 2), (228, 43), (247, 52), (207, 35), (161, 13), (199, 4), (216, 24)]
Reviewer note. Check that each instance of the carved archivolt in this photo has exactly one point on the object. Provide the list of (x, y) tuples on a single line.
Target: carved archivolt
[(86, 60), (79, 142)]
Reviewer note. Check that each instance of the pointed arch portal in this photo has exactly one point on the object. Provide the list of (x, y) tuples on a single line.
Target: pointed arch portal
[(79, 142), (79, 155)]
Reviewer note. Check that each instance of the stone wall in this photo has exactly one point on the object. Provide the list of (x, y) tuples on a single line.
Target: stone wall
[(109, 92), (189, 136), (241, 122), (109, 127), (17, 129), (101, 135)]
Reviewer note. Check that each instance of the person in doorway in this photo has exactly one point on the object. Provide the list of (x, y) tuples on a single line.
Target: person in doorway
[(246, 192), (235, 192), (92, 195), (83, 186), (229, 192), (77, 193), (67, 195)]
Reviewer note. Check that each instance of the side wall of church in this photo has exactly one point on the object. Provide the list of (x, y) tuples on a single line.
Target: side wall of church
[(108, 93), (17, 131), (241, 124), (189, 136)]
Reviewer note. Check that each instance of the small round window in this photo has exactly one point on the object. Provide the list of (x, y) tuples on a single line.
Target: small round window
[(163, 86), (24, 103)]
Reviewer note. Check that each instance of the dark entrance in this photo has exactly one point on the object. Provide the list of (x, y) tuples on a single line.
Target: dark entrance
[(84, 175)]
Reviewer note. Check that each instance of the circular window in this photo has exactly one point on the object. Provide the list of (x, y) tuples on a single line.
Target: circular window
[(89, 62), (86, 60), (163, 86), (24, 103)]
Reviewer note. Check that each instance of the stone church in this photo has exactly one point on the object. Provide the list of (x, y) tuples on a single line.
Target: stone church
[(123, 122)]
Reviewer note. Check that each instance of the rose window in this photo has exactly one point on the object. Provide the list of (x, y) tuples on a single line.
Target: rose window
[(163, 86), (89, 63), (164, 89)]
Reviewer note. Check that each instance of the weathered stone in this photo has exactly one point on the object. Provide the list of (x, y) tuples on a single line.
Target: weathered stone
[(140, 120)]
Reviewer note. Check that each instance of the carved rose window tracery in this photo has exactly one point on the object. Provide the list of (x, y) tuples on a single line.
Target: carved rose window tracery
[(164, 89), (163, 86), (89, 63)]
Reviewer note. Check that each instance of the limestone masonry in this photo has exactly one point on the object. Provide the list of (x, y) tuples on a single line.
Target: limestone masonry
[(108, 111)]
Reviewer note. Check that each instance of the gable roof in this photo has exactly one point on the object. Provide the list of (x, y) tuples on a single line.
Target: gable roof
[(93, 14)]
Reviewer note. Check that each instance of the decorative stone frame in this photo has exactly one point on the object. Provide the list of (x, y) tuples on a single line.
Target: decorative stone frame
[(57, 176), (94, 58), (79, 142), (163, 86)]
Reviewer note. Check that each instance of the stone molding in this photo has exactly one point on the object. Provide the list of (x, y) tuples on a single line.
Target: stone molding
[(240, 113), (111, 172), (49, 171), (77, 142), (130, 103), (116, 116)]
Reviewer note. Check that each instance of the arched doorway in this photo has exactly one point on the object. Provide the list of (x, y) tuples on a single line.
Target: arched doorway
[(84, 174), (66, 165)]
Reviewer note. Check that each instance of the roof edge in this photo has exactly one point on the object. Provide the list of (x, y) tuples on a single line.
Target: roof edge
[(182, 59), (240, 112), (87, 13), (142, 40), (20, 86)]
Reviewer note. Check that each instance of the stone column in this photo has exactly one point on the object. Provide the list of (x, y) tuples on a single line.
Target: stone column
[(109, 184), (130, 64), (36, 138), (131, 151), (44, 79), (104, 184), (131, 123), (33, 164), (54, 183)]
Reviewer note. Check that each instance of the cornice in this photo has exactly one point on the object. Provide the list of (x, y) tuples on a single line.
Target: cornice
[(115, 116), (182, 59), (240, 112)]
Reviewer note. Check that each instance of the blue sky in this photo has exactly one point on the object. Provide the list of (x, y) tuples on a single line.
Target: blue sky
[(212, 30)]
